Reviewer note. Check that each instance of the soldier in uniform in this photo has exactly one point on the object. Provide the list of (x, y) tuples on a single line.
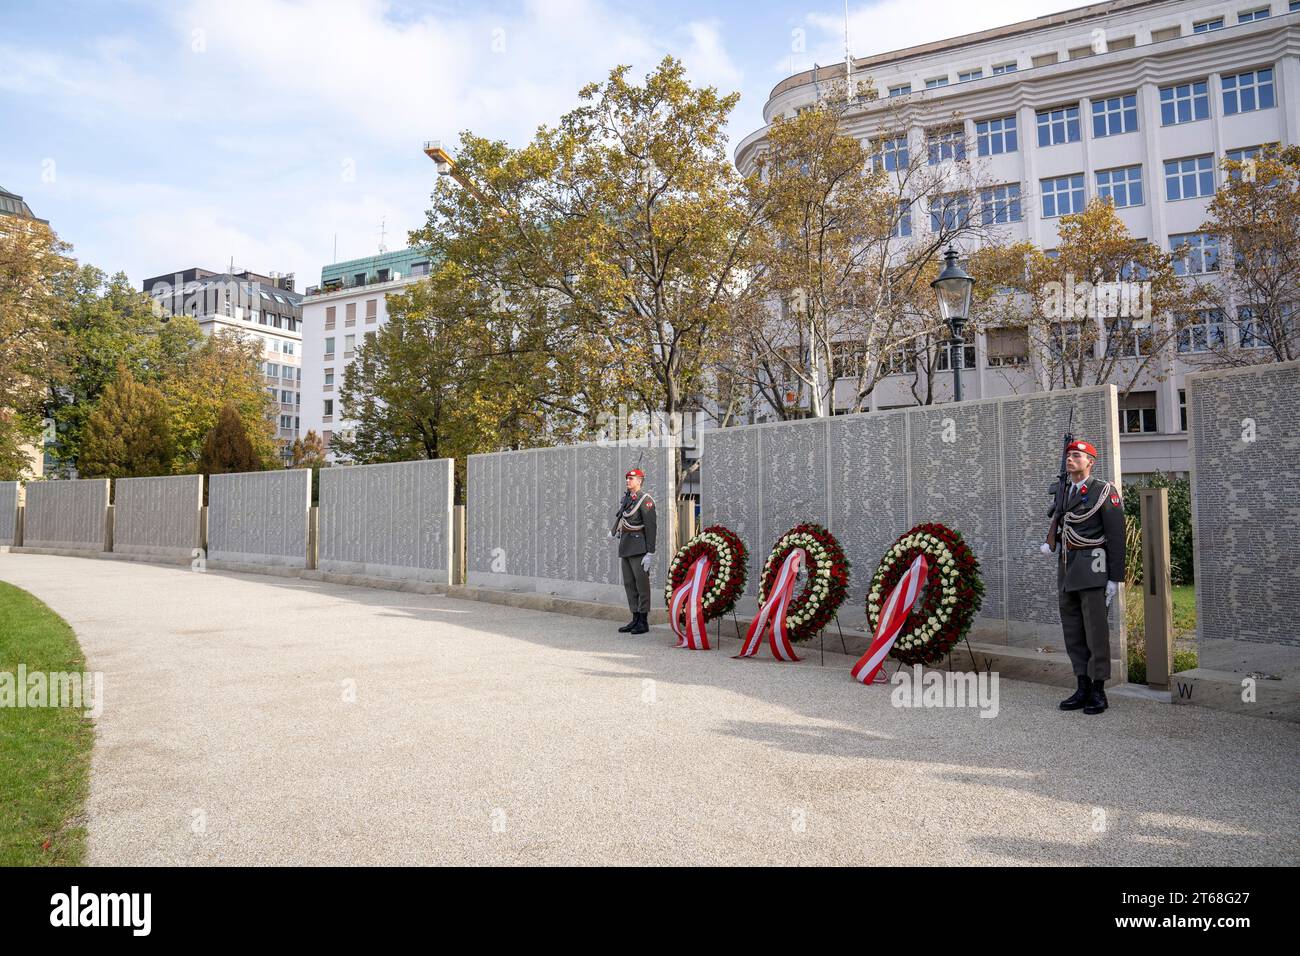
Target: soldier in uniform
[(1089, 570), (634, 526)]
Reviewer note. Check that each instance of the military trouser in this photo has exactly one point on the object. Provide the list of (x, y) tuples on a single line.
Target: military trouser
[(1087, 632), (636, 582)]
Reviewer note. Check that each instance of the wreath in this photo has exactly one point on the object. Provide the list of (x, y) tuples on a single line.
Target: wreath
[(953, 592), (730, 569), (827, 581)]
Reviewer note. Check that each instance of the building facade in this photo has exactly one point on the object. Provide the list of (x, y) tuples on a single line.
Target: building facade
[(262, 307), (12, 206), (348, 306), (1137, 101)]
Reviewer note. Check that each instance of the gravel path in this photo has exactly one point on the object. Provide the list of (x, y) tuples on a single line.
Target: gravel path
[(260, 720)]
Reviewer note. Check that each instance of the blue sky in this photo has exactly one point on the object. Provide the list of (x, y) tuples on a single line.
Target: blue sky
[(161, 135)]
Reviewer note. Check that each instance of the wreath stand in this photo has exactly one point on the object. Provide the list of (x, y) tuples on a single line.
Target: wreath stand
[(822, 636), (948, 657), (717, 637)]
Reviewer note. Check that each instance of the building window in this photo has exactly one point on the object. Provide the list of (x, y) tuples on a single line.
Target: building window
[(1123, 186), (329, 347), (330, 313), (936, 82), (1114, 115), (1062, 195), (1058, 126), (1245, 92), (289, 348), (273, 369), (1249, 16), (1125, 340), (969, 75), (1046, 59), (898, 362), (1252, 332), (329, 377), (286, 396), (286, 422), (846, 359), (1205, 26), (946, 144), (901, 90), (1082, 52), (1195, 253), (903, 224), (1000, 204), (1243, 155), (892, 154), (1137, 413), (1000, 68), (1168, 33), (949, 213), (996, 135), (1182, 399), (1203, 333), (1006, 348), (1189, 178), (350, 313), (966, 357), (1184, 103), (349, 344), (329, 407), (372, 306)]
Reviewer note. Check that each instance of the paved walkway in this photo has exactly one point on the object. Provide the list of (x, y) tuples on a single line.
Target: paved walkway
[(254, 719)]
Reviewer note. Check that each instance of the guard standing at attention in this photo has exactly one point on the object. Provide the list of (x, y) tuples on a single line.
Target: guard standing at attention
[(1090, 568), (634, 526)]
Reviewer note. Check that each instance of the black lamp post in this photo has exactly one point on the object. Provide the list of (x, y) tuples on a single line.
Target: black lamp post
[(953, 288)]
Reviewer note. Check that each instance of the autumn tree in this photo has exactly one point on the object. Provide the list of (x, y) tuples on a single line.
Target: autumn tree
[(1255, 279), (309, 451), (128, 433), (227, 447), (36, 277), (223, 372)]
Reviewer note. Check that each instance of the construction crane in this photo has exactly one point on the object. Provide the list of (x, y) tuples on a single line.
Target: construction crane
[(447, 167)]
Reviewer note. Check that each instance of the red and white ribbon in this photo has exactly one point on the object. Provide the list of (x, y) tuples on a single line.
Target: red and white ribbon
[(689, 597), (773, 612), (897, 606)]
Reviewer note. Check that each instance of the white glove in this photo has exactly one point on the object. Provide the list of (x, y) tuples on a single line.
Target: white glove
[(647, 562), (613, 534), (1045, 548), (1111, 589)]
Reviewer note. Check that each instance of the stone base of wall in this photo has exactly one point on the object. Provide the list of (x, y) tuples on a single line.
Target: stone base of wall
[(149, 551), (108, 555), (612, 594), (387, 571), (1222, 690), (257, 560)]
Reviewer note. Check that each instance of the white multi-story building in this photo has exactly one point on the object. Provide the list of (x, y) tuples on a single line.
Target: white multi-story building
[(338, 315), (254, 306), (1137, 100)]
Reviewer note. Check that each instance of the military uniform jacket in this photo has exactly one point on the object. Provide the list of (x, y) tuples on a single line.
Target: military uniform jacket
[(1092, 536), (635, 524)]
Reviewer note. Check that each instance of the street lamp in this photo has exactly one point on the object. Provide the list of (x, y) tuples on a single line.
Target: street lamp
[(953, 288)]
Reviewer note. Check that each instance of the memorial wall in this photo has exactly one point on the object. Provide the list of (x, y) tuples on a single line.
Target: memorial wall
[(387, 520), (259, 517), (66, 513), (539, 520), (157, 516), (8, 511), (1244, 446), (982, 467)]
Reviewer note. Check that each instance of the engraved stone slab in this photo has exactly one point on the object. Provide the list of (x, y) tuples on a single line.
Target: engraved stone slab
[(387, 520), (157, 516), (8, 511), (1244, 447), (259, 517), (66, 514)]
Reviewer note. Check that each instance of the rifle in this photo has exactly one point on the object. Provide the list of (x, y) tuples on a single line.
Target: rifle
[(1057, 489)]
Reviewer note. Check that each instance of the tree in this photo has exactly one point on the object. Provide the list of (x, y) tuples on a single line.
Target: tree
[(227, 447), (127, 435), (1255, 218), (623, 230), (35, 283), (224, 371), (841, 286), (309, 451), (107, 323), (1104, 309)]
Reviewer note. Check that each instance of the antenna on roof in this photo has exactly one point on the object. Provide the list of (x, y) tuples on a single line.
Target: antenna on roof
[(848, 57), (382, 224)]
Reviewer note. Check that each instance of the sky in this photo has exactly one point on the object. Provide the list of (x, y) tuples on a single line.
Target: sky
[(156, 136)]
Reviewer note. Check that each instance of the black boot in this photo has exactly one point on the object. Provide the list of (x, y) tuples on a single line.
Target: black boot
[(630, 625), (640, 627), (1080, 697), (1096, 698)]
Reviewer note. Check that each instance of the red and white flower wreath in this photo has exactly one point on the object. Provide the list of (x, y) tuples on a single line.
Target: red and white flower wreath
[(730, 569), (827, 582), (953, 593)]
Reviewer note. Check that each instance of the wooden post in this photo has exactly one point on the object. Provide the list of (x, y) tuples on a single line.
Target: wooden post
[(458, 544), (18, 526), (1157, 600), (108, 528), (685, 521), (313, 529)]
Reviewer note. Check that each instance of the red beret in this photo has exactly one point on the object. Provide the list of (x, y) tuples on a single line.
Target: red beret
[(635, 473), (1082, 446)]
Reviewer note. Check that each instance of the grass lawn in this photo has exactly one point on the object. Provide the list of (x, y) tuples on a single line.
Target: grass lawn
[(1184, 599), (44, 751)]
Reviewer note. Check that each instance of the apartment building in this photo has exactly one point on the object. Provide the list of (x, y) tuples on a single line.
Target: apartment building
[(1138, 101), (12, 206), (338, 315), (263, 307)]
